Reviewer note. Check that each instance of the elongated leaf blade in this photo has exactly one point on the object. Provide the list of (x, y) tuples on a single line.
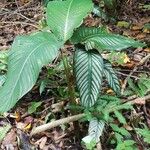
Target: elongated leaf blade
[(111, 77), (64, 16), (120, 117), (95, 131), (27, 56), (102, 40), (83, 34), (88, 71)]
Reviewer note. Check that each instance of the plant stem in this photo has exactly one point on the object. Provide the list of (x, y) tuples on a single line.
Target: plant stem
[(71, 90), (69, 78)]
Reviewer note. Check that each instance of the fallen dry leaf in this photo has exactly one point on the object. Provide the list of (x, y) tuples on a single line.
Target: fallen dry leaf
[(110, 91), (146, 31), (43, 142), (129, 65), (18, 117), (10, 139), (147, 50), (126, 59), (136, 27), (28, 127), (141, 36)]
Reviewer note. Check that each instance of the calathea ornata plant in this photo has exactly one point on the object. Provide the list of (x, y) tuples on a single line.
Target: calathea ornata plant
[(30, 53)]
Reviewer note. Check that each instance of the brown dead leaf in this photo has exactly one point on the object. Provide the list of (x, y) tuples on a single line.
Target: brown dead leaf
[(141, 36), (130, 33), (91, 22), (147, 50), (136, 27), (28, 119), (129, 65), (10, 139), (110, 91), (146, 31), (57, 107), (20, 125), (126, 59), (23, 2), (28, 127), (18, 117), (43, 142), (137, 57)]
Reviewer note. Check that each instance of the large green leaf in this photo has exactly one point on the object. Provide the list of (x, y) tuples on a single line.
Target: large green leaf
[(27, 56), (64, 16), (88, 71), (111, 77), (94, 132), (98, 38)]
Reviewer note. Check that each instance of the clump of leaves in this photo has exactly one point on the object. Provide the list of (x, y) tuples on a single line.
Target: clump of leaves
[(106, 110), (142, 87), (29, 53), (33, 107), (145, 133), (119, 58), (106, 9)]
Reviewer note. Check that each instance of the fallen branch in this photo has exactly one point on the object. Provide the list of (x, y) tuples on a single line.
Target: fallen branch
[(56, 123), (137, 100), (36, 130)]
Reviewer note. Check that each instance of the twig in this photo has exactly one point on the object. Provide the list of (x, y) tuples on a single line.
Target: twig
[(99, 146), (25, 17), (7, 11), (56, 123), (26, 4), (139, 100), (127, 75), (135, 68), (17, 5), (127, 70), (19, 22)]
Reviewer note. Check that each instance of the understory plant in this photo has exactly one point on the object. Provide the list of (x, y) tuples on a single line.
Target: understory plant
[(29, 53)]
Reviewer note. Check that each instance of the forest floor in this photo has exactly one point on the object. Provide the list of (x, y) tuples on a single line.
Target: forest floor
[(18, 17)]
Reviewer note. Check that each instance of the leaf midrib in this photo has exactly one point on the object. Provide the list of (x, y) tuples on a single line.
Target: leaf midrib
[(89, 75), (66, 21), (96, 35)]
